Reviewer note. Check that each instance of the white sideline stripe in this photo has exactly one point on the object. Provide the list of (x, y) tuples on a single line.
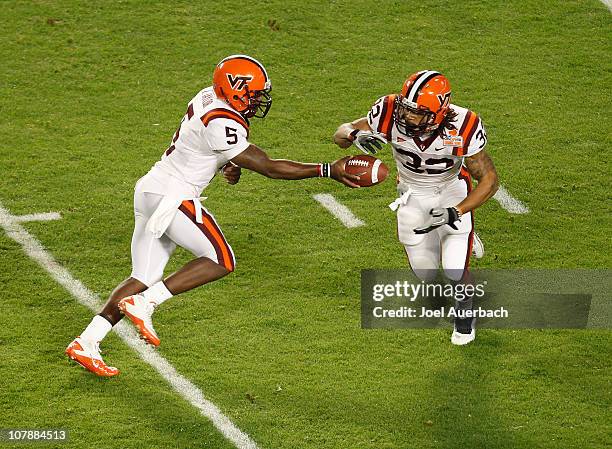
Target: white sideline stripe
[(34, 249), (47, 216), (338, 210), (510, 203), (608, 3)]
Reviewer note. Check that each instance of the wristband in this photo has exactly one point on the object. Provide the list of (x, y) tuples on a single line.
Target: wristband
[(324, 170), (353, 135)]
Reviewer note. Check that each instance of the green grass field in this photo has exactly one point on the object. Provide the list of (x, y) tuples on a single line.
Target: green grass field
[(90, 95)]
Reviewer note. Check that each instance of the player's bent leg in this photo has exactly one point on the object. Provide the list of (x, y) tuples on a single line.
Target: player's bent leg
[(149, 258), (198, 272), (422, 250), (139, 308), (456, 250), (456, 244), (195, 229), (456, 268), (199, 233)]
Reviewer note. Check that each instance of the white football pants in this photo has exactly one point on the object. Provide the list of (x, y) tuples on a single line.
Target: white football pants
[(443, 245), (193, 228)]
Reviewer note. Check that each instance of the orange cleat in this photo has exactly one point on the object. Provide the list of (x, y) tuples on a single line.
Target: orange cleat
[(87, 354), (139, 311)]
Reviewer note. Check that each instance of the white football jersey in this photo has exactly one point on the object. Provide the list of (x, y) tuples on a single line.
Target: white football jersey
[(210, 134), (435, 159)]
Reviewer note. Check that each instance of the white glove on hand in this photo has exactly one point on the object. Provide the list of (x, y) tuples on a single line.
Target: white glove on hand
[(369, 142)]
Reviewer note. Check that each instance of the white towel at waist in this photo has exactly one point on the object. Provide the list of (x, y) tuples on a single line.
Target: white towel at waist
[(402, 200)]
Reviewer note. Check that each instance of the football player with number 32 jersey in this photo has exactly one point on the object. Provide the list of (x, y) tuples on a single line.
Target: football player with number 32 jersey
[(438, 148), (213, 135)]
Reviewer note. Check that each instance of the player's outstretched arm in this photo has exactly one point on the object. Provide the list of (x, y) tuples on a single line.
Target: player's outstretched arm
[(342, 136), (360, 134), (254, 158), (481, 167)]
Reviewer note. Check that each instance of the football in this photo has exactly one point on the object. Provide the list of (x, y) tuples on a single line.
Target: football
[(371, 170)]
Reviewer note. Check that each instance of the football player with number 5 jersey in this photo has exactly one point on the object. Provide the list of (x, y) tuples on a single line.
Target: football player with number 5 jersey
[(213, 136), (438, 148)]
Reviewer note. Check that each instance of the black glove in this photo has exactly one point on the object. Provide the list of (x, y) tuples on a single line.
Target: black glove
[(439, 217)]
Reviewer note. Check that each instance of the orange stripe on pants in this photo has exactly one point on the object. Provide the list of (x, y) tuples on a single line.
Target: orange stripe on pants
[(210, 229)]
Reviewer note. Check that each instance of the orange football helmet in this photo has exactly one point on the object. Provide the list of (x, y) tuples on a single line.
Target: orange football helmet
[(243, 83), (425, 97)]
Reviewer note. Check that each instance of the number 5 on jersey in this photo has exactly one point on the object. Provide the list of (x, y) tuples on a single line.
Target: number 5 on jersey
[(231, 135)]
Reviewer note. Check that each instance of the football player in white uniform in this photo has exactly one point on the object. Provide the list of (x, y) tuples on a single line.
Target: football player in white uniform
[(212, 136), (438, 148)]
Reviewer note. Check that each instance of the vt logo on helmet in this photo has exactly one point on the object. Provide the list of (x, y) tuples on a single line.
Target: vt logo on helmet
[(243, 83), (423, 104), (239, 81)]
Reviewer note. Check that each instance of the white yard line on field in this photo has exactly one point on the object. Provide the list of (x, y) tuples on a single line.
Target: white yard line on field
[(48, 216), (338, 210), (344, 214), (510, 203), (181, 385), (608, 3)]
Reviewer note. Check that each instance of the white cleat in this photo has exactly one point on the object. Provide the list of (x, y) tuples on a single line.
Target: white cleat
[(139, 311), (477, 247), (467, 334)]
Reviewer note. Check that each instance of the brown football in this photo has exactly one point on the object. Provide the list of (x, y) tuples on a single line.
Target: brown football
[(371, 170)]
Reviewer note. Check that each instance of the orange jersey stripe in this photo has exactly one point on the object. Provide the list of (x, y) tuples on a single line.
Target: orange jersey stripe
[(467, 130), (384, 125), (470, 133), (224, 113)]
